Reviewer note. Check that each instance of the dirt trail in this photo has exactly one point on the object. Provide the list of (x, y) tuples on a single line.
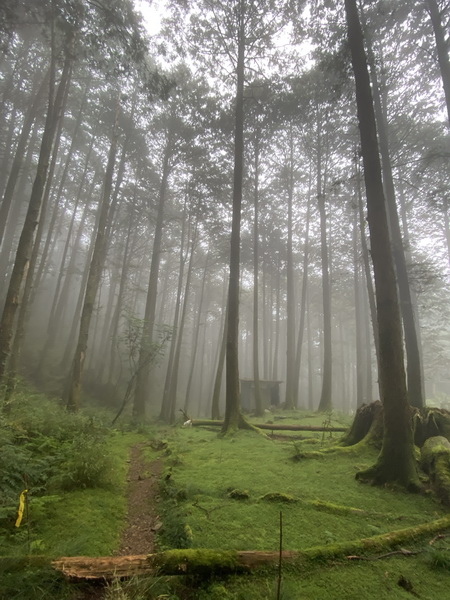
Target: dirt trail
[(142, 521)]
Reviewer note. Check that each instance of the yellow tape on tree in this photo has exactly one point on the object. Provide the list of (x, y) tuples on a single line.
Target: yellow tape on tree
[(22, 501)]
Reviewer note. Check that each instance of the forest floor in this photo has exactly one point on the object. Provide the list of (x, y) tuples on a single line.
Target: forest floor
[(143, 520), (127, 493)]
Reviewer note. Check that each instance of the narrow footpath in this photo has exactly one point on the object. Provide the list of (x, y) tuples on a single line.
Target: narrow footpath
[(142, 521)]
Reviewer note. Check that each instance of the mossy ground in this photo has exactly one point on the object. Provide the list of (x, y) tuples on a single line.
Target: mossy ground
[(316, 495), (202, 468)]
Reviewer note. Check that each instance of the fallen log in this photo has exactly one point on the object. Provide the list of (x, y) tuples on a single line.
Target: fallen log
[(272, 426), (203, 561)]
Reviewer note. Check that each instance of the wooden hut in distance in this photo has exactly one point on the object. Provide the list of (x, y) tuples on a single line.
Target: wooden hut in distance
[(270, 394)]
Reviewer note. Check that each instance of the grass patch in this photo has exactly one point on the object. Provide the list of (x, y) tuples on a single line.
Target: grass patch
[(327, 506), (75, 468)]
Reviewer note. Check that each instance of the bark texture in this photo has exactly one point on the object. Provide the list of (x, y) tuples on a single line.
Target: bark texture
[(396, 461)]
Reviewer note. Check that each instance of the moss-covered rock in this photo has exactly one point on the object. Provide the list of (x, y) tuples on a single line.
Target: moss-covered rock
[(435, 461)]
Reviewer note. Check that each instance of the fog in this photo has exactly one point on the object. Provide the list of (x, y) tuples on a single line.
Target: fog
[(119, 183)]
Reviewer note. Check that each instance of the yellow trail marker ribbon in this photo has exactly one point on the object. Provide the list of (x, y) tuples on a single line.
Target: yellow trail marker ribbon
[(22, 501)]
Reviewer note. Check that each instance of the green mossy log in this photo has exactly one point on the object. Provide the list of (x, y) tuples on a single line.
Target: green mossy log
[(202, 562)]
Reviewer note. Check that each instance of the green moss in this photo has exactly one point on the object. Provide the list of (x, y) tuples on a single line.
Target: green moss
[(278, 497), (238, 494), (337, 508), (196, 562)]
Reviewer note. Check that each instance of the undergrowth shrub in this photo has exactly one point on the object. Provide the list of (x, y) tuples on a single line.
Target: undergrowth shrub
[(85, 465), (43, 447), (176, 533), (439, 558)]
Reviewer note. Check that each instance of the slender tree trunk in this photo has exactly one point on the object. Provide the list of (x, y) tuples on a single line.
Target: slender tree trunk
[(396, 461), (367, 270), (301, 329), (368, 394), (20, 152), (60, 300), (26, 299), (259, 409), (52, 317), (359, 350), (176, 362), (14, 218), (310, 356), (267, 322), (32, 218), (94, 275), (215, 405), (325, 403), (290, 400), (277, 326), (52, 237), (141, 390), (195, 337), (165, 404), (233, 416), (115, 322), (414, 370)]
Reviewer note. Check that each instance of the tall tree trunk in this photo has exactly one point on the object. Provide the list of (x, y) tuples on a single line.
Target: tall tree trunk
[(276, 348), (301, 328), (20, 152), (176, 362), (290, 400), (60, 299), (165, 404), (367, 269), (196, 334), (259, 409), (310, 355), (32, 217), (141, 390), (266, 322), (396, 461), (52, 237), (115, 322), (368, 394), (359, 348), (414, 372), (325, 402), (215, 406), (233, 417), (7, 248), (26, 299), (94, 275)]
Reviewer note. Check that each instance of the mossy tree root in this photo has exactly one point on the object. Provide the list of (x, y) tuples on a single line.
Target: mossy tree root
[(435, 461)]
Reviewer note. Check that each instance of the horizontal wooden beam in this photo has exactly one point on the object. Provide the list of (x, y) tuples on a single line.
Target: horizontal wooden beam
[(272, 426)]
